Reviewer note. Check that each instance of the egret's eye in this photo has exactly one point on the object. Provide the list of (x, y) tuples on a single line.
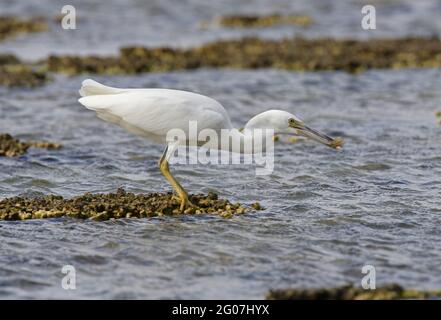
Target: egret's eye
[(292, 121)]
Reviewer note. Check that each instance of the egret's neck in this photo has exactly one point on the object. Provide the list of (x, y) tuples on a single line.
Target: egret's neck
[(248, 141), (265, 120), (256, 137)]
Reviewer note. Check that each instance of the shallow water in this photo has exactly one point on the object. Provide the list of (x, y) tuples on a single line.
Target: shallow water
[(104, 26), (327, 213)]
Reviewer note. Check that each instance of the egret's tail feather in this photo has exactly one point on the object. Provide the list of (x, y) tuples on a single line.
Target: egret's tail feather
[(90, 87)]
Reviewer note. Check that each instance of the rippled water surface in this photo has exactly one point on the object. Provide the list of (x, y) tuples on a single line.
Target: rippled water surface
[(327, 213), (104, 26)]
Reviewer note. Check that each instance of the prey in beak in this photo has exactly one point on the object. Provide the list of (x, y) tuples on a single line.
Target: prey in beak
[(313, 134)]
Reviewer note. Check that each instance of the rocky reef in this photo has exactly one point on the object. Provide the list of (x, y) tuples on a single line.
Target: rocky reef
[(351, 292), (294, 54), (11, 26), (297, 54), (11, 147), (15, 73), (121, 204), (253, 21)]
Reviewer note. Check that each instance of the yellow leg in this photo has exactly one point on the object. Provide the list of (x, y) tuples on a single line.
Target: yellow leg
[(183, 195)]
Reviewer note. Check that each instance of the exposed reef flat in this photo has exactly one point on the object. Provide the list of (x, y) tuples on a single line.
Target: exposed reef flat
[(121, 204), (11, 147), (253, 21), (295, 54), (11, 26), (350, 292)]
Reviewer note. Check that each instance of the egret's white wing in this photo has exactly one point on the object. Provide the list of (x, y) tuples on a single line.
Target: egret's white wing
[(154, 112), (90, 87)]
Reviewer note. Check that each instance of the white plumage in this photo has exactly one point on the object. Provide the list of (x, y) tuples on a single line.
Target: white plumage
[(146, 112)]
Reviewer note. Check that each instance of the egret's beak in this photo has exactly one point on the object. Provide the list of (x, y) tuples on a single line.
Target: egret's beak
[(308, 132)]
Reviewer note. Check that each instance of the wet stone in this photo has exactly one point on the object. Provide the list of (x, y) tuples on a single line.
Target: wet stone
[(11, 26), (8, 59), (350, 292), (256, 206), (14, 73), (44, 145), (122, 204), (252, 21), (21, 76), (12, 147)]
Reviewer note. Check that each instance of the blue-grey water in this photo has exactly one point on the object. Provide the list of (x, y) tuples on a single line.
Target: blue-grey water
[(327, 213)]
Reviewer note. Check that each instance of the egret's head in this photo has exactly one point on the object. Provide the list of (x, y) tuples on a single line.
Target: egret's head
[(286, 123)]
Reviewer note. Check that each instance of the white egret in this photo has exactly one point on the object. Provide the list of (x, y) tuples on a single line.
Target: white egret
[(152, 113)]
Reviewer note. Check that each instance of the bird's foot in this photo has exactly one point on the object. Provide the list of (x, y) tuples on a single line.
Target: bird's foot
[(184, 201), (186, 204)]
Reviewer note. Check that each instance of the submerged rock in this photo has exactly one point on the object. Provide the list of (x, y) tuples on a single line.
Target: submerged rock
[(350, 292), (296, 54), (44, 144), (121, 204), (11, 147), (251, 21), (11, 26)]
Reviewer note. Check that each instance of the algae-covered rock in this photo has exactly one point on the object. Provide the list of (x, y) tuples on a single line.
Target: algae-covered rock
[(20, 75), (11, 147), (121, 204), (350, 292), (295, 54), (11, 26), (256, 206), (44, 144), (8, 59), (252, 21), (15, 73), (85, 64)]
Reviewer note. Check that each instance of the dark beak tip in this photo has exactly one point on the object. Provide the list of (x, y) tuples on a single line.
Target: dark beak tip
[(337, 143)]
